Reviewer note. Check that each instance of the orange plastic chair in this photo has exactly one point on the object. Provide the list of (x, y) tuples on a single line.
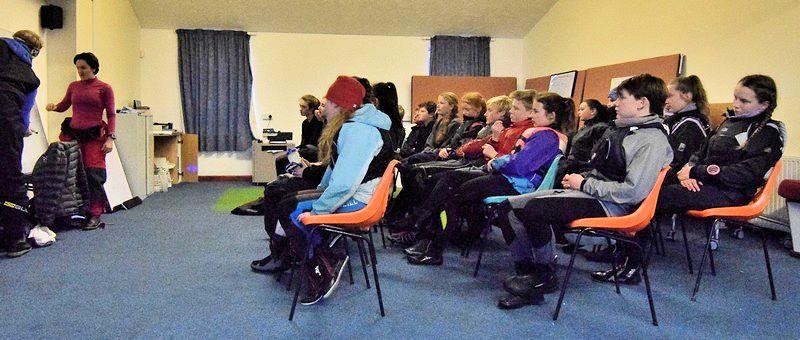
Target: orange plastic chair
[(737, 215), (356, 225), (622, 229)]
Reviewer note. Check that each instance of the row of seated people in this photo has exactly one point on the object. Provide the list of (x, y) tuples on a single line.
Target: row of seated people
[(504, 146)]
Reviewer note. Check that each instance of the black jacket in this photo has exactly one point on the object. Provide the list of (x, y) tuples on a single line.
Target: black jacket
[(311, 131), (687, 131), (59, 183), (416, 139), (580, 151), (467, 131), (431, 144), (740, 169), (16, 81)]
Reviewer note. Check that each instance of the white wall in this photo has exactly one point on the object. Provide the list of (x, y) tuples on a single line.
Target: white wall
[(286, 66)]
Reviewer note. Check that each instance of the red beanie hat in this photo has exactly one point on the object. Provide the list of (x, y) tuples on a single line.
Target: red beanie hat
[(346, 92)]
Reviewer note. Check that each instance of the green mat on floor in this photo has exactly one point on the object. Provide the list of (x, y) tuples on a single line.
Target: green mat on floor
[(235, 197)]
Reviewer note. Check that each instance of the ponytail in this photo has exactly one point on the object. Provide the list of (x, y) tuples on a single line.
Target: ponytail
[(691, 84), (563, 108)]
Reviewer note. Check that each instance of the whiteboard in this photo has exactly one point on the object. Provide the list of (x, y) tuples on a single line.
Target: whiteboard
[(563, 83), (117, 188)]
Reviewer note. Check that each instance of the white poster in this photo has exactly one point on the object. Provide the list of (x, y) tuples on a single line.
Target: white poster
[(616, 81), (117, 189), (563, 83)]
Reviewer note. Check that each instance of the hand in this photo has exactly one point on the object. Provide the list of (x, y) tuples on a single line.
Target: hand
[(108, 145), (50, 107), (572, 181), (305, 162), (692, 184), (443, 153), (684, 173), (303, 215), (497, 129), (489, 167), (489, 151), (298, 170)]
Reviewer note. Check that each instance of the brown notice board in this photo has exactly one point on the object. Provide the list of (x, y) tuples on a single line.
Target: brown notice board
[(424, 88), (716, 113), (539, 84), (598, 79)]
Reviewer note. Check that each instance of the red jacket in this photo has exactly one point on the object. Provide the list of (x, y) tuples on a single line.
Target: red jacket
[(504, 146)]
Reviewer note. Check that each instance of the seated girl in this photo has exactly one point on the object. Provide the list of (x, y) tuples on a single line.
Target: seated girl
[(521, 171), (624, 167), (595, 117), (687, 107), (423, 120), (356, 146)]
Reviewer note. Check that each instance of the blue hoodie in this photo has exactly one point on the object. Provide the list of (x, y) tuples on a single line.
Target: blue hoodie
[(23, 52), (358, 143)]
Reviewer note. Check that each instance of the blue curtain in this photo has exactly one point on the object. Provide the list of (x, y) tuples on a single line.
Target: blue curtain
[(460, 56), (216, 82)]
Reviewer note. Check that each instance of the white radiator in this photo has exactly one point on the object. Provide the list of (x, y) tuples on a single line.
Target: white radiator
[(776, 215)]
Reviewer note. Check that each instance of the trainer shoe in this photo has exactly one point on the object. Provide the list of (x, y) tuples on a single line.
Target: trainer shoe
[(18, 249), (419, 248)]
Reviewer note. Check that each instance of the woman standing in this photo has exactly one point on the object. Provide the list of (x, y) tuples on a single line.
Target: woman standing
[(18, 86), (89, 97)]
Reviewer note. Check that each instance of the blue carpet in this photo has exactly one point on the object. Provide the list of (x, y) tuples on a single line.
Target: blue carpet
[(174, 268)]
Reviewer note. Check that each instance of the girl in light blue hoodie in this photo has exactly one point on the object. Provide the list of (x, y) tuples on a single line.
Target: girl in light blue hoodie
[(356, 146)]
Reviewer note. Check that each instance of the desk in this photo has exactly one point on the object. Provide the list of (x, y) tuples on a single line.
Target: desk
[(264, 155), (179, 149)]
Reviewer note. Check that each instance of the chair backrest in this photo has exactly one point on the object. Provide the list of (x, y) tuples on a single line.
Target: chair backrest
[(550, 177), (633, 222), (763, 196), (371, 214)]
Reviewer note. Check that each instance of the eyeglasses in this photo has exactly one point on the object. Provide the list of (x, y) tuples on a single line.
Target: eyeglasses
[(34, 52)]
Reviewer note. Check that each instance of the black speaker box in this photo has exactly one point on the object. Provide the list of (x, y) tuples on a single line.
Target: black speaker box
[(51, 16)]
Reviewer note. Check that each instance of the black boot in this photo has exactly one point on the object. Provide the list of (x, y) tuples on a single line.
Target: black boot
[(542, 280)]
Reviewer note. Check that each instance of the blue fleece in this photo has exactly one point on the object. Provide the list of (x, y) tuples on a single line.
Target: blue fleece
[(23, 52), (520, 167), (358, 143)]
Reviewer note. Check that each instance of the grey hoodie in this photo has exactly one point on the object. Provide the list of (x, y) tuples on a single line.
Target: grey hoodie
[(647, 151)]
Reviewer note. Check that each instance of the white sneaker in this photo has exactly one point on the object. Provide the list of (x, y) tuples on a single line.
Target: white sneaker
[(48, 231), (40, 237)]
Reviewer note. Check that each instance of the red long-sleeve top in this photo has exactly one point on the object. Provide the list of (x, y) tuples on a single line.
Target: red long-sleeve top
[(88, 99), (504, 145)]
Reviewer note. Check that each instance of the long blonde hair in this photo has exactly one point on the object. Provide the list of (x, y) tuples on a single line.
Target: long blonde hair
[(326, 141), (452, 99)]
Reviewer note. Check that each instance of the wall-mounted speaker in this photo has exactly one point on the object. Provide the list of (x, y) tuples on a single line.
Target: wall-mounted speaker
[(51, 16)]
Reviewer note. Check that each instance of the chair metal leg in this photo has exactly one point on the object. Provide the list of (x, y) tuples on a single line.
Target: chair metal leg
[(686, 245), (706, 251), (349, 263), (369, 261), (362, 256), (769, 265), (657, 228), (646, 277), (375, 275), (711, 247), (481, 238), (383, 237), (291, 278), (301, 280), (566, 277), (614, 261)]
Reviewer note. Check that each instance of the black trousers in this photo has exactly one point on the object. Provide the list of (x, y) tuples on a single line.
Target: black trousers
[(296, 238), (274, 192), (13, 194), (467, 201), (677, 199), (413, 180)]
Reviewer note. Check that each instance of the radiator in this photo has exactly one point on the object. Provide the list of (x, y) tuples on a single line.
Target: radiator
[(776, 216)]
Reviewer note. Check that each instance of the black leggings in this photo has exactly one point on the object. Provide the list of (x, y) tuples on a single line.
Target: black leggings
[(13, 214), (677, 199), (554, 208)]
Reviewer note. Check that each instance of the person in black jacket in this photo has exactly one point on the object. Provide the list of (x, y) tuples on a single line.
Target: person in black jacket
[(311, 130), (386, 96), (595, 117), (688, 122), (18, 84), (423, 118)]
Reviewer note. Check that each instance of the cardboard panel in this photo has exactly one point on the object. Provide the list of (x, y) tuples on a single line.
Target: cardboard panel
[(598, 79), (424, 88), (716, 113), (538, 84)]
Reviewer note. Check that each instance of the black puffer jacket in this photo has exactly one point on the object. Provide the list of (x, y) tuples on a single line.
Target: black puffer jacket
[(59, 183)]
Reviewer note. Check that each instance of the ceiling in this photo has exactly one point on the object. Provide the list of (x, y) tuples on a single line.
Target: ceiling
[(494, 18)]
